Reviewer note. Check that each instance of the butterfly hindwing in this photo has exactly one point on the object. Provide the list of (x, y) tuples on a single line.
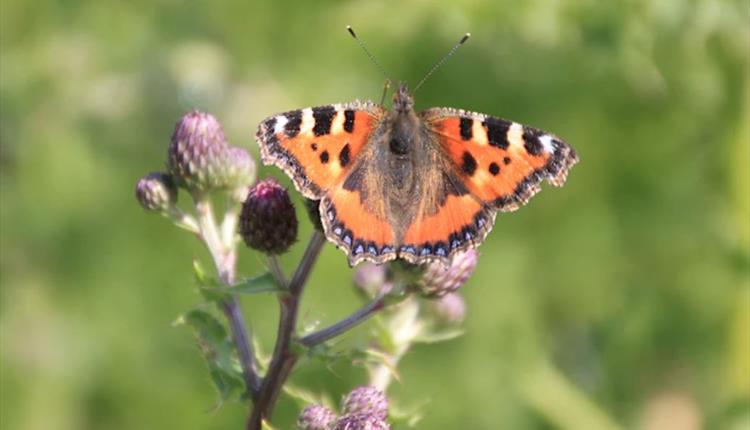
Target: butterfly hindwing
[(317, 146), (501, 162), (460, 222)]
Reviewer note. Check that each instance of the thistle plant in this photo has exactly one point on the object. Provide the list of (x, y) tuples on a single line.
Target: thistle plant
[(412, 304)]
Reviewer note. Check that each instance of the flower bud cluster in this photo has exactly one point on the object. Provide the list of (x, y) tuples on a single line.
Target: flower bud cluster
[(316, 417), (200, 159), (439, 280), (364, 408)]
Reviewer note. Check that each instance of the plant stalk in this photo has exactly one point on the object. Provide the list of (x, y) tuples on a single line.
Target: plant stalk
[(225, 258), (283, 359), (347, 323)]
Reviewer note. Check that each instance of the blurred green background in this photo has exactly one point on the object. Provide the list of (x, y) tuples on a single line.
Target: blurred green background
[(619, 301)]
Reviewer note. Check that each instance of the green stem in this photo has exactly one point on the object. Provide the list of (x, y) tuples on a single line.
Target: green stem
[(225, 258)]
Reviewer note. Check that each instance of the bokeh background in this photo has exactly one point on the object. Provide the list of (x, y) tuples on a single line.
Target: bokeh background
[(619, 301)]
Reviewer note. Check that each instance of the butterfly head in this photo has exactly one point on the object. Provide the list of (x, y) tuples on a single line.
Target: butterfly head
[(402, 100)]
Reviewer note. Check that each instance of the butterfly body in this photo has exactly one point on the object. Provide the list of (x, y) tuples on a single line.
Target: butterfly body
[(416, 186)]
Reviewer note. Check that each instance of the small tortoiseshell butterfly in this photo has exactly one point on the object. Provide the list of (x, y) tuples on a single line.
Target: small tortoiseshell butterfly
[(415, 186)]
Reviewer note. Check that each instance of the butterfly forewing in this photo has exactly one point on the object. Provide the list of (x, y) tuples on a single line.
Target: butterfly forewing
[(501, 162), (316, 146)]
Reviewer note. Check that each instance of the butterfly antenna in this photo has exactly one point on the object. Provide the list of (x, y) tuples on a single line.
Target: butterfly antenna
[(369, 55), (442, 60)]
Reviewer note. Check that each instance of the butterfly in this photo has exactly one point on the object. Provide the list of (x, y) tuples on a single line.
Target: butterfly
[(404, 185)]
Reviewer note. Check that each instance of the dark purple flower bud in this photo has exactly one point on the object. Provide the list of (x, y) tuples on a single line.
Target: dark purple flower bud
[(156, 192), (366, 400), (268, 222), (196, 154), (439, 280), (361, 422), (449, 309), (369, 278), (316, 417)]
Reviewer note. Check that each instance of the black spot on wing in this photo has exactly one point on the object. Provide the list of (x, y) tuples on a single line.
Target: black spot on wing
[(323, 116), (294, 120), (324, 157), (468, 163), (270, 125), (497, 131), (349, 121), (344, 156), (494, 169), (531, 140), (465, 125)]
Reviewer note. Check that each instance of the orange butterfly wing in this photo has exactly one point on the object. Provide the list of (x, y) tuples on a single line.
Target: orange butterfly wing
[(501, 162), (498, 164), (318, 148)]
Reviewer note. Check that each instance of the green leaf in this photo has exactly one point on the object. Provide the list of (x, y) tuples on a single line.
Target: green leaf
[(305, 397), (217, 348), (265, 425), (263, 283), (438, 336), (406, 416), (210, 288), (201, 276)]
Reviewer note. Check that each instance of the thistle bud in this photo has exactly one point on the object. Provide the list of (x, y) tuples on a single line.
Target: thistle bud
[(156, 192), (439, 280), (361, 422), (449, 309), (196, 156), (316, 417), (366, 400), (268, 222), (239, 168)]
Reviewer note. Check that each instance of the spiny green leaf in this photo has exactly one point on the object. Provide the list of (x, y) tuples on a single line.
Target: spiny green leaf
[(218, 350)]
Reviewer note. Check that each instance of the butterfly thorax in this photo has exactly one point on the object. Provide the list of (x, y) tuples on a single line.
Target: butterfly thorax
[(404, 162), (399, 146)]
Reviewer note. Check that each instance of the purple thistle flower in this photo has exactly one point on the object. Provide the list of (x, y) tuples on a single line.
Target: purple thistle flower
[(361, 422), (366, 400), (156, 191), (449, 309), (268, 222), (197, 151), (439, 280), (316, 417), (369, 278)]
